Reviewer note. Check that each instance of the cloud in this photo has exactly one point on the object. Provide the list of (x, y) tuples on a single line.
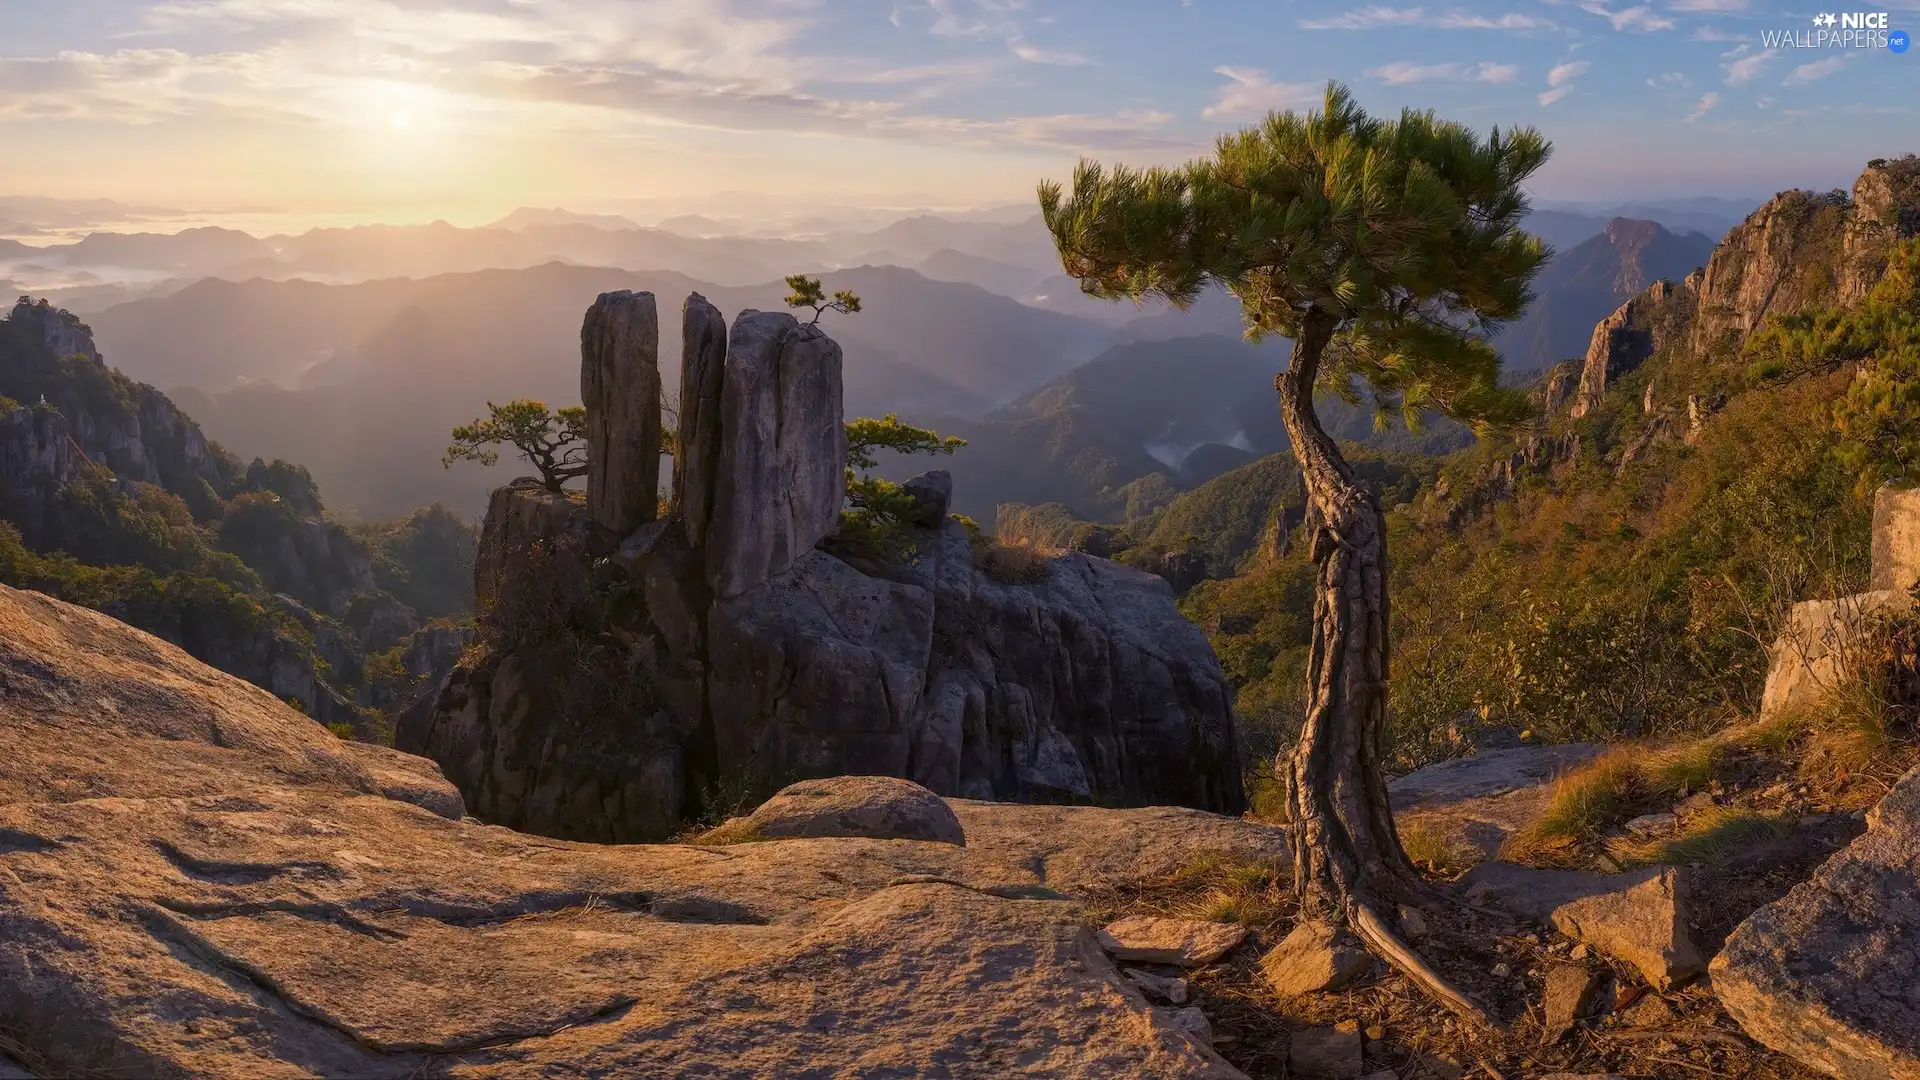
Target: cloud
[(1562, 74), (1376, 17), (1709, 5), (1815, 71), (1406, 73), (985, 20), (1671, 80), (1560, 80), (1744, 65), (1707, 102), (1640, 18), (1249, 92)]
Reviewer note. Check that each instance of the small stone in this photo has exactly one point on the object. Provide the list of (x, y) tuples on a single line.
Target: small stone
[(1651, 1011), (1502, 969), (1652, 825), (1166, 988), (1149, 939), (1312, 958), (1438, 1068), (1570, 996), (1327, 1053), (1412, 922), (1580, 951), (1191, 1021), (1375, 1032), (1694, 804)]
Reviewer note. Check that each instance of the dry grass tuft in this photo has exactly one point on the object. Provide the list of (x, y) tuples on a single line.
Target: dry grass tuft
[(1610, 789), (1431, 850), (737, 831), (1712, 837), (1013, 562)]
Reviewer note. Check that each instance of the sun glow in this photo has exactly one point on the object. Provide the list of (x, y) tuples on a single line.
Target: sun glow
[(400, 121)]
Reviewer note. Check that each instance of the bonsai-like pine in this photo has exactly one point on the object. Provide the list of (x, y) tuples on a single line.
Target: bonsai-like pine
[(808, 293), (877, 508), (554, 441), (1385, 249)]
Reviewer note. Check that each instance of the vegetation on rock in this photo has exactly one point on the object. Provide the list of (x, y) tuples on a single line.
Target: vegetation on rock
[(553, 441)]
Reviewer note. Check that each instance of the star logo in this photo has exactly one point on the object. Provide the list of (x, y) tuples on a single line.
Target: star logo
[(1824, 20)]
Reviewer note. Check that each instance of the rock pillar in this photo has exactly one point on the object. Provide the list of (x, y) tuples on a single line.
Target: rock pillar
[(1896, 538), (697, 450), (620, 386), (780, 473)]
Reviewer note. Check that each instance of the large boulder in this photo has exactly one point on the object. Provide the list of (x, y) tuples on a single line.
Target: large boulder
[(1824, 643), (1830, 973), (201, 882), (1640, 917), (1896, 539), (880, 807), (620, 387)]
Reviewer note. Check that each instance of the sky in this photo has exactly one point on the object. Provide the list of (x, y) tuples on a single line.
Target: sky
[(463, 109)]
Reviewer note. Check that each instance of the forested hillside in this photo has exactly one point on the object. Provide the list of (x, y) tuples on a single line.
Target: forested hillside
[(110, 497)]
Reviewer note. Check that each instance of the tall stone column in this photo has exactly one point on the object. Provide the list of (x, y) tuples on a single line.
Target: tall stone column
[(697, 453), (781, 469), (620, 387)]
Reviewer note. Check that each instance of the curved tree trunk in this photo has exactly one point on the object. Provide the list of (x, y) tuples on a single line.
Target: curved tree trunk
[(1348, 863)]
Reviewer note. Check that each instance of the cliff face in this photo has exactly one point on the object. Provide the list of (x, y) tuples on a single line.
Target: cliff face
[(37, 458), (626, 682), (1802, 249)]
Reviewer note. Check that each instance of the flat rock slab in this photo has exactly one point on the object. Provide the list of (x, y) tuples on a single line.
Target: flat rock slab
[(879, 807), (1312, 958), (1149, 939), (1327, 1053), (1476, 803), (1830, 973), (199, 881), (1638, 917)]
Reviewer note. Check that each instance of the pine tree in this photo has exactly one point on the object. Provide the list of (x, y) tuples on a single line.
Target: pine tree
[(1386, 250)]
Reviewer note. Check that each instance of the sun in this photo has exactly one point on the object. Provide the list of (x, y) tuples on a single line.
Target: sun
[(400, 121)]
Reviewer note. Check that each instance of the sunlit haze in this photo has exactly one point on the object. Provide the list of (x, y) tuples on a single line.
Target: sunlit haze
[(282, 114)]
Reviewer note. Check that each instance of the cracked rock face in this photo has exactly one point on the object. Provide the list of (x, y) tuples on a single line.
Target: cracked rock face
[(1830, 973), (200, 882)]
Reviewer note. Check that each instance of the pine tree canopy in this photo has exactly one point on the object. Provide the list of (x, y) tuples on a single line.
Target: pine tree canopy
[(1397, 242)]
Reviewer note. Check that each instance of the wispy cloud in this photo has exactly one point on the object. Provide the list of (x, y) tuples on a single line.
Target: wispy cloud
[(1560, 79), (1251, 92), (1640, 19), (1815, 71), (1407, 73), (1707, 102), (989, 19), (1670, 80), (1709, 5), (1377, 17), (1743, 65)]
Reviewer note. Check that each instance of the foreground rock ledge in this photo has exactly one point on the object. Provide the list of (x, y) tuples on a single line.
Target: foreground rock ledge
[(197, 881), (1830, 973)]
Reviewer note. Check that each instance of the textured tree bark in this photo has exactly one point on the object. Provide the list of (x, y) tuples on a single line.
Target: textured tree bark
[(1347, 859)]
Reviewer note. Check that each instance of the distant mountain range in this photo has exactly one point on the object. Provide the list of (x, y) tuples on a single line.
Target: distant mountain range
[(363, 382), (1584, 284)]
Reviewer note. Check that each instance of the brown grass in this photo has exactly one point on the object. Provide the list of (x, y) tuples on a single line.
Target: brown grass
[(1431, 850), (1013, 562)]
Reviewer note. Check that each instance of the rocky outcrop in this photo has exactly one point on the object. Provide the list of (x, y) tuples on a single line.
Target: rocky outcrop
[(1823, 643), (1885, 210), (201, 882), (62, 331), (1640, 917), (1896, 539), (620, 387), (1830, 973), (1802, 249), (749, 658), (1623, 341), (37, 458)]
